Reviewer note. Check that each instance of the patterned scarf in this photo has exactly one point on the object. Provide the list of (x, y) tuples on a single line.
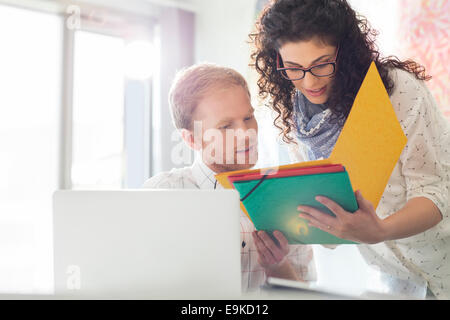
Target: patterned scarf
[(313, 127)]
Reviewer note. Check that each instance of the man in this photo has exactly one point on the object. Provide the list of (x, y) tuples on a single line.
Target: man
[(211, 108)]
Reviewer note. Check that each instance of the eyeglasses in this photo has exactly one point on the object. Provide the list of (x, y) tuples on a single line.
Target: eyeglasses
[(319, 70)]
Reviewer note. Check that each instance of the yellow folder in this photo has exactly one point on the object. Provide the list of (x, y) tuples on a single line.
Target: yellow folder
[(369, 145)]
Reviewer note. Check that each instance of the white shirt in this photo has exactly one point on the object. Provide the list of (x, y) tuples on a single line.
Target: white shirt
[(423, 170), (200, 176)]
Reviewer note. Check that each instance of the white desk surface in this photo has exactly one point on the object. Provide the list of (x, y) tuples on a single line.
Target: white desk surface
[(266, 293)]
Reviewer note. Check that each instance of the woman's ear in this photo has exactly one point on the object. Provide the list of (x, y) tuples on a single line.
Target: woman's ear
[(189, 138)]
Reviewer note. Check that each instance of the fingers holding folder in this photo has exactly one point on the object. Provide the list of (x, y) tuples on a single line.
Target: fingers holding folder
[(272, 254), (361, 226), (271, 200)]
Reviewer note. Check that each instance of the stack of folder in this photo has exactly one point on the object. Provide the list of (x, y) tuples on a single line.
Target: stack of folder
[(271, 199), (364, 157)]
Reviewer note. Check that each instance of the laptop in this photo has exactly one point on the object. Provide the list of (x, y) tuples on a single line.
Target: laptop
[(147, 244)]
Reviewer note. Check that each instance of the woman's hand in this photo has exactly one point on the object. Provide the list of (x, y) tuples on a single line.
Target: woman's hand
[(362, 226), (270, 254)]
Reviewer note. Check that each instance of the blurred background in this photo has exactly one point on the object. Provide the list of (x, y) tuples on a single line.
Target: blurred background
[(83, 104)]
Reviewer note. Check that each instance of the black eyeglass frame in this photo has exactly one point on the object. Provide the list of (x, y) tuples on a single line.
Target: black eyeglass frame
[(284, 75)]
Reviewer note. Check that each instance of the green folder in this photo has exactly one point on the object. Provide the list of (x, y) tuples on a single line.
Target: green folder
[(273, 204)]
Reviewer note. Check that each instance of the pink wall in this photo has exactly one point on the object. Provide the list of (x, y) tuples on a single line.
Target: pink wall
[(424, 36)]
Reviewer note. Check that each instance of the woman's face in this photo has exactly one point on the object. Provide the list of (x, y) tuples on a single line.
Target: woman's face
[(305, 54)]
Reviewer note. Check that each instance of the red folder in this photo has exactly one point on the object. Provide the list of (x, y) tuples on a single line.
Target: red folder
[(329, 168)]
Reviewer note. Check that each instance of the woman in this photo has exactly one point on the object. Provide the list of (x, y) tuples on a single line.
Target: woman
[(312, 56)]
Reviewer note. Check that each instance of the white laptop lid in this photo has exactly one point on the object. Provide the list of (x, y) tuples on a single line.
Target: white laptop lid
[(168, 244)]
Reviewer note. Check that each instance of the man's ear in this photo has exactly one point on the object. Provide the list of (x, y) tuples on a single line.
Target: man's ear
[(189, 139)]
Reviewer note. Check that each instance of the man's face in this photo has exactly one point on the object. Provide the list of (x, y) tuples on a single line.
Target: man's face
[(229, 131)]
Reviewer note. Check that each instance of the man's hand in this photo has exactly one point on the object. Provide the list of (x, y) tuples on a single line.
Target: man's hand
[(270, 254)]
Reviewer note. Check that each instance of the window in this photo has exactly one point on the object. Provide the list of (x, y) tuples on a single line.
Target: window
[(111, 106), (98, 112), (75, 112), (30, 64)]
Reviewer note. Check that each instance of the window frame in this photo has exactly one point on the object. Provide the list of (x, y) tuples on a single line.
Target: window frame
[(113, 24)]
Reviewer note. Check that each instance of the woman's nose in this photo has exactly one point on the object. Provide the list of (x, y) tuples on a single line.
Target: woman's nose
[(309, 80)]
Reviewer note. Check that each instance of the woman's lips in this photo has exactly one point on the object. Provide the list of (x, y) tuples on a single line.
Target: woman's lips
[(316, 93)]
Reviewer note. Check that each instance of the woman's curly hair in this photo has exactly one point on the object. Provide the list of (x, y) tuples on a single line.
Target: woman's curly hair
[(335, 23)]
